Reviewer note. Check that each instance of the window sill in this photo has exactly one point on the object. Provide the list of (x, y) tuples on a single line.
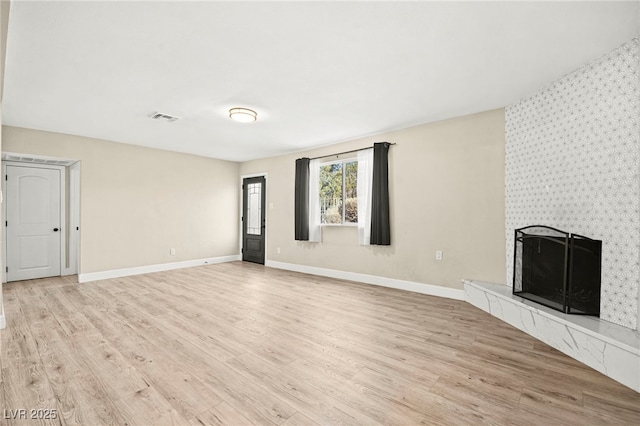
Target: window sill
[(337, 225)]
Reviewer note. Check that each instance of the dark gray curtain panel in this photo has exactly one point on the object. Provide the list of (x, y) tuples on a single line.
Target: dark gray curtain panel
[(380, 226), (302, 199)]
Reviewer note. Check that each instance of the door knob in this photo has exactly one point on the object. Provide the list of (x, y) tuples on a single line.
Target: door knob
[(55, 229)]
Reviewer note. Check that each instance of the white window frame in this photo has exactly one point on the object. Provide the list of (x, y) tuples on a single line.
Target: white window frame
[(342, 161)]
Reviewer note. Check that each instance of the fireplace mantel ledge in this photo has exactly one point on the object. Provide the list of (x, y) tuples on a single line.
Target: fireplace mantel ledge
[(609, 348)]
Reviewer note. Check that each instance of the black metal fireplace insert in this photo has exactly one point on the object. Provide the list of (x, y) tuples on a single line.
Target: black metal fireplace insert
[(557, 269)]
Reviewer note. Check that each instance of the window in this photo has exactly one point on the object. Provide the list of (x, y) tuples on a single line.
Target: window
[(339, 192)]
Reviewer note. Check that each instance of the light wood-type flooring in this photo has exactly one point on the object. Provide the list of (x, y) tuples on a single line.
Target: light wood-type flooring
[(239, 343)]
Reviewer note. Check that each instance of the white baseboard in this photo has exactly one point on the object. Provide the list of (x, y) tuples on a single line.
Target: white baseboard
[(117, 273), (432, 290), (3, 320)]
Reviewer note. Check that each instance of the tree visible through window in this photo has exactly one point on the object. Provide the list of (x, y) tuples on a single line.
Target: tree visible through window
[(339, 192)]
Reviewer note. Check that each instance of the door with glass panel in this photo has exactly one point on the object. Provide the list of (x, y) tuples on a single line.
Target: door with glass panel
[(253, 219)]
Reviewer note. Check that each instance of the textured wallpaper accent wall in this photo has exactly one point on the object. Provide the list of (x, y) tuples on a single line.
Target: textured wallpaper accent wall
[(572, 162)]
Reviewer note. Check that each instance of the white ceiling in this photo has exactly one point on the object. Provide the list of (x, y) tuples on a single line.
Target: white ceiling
[(316, 73)]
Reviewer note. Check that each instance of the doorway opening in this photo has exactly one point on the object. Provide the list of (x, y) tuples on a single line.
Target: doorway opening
[(41, 214), (254, 219)]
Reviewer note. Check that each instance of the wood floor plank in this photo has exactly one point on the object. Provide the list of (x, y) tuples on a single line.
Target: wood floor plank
[(18, 346), (488, 400), (240, 343), (24, 382), (148, 407), (564, 378), (218, 346), (26, 387), (255, 401), (400, 389), (35, 309), (308, 400), (73, 384), (185, 392), (169, 376), (108, 364), (388, 361), (300, 420), (377, 408), (625, 410), (67, 314), (546, 409), (221, 415)]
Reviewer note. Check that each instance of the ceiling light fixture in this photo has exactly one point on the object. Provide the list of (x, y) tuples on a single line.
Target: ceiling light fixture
[(243, 115)]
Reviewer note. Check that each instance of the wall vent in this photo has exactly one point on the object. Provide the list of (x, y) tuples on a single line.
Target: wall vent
[(25, 158), (164, 117)]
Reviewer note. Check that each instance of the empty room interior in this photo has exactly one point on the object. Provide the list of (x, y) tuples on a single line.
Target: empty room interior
[(320, 213)]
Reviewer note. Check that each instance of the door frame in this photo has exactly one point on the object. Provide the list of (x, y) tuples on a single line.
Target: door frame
[(266, 212), (74, 221), (73, 213)]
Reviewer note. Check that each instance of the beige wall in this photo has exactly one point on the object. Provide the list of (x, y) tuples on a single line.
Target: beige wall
[(137, 203), (447, 193)]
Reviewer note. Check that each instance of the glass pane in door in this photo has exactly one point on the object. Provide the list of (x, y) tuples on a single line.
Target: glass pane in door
[(254, 208)]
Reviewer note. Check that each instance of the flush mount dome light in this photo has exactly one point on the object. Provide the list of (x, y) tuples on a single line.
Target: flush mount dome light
[(243, 115)]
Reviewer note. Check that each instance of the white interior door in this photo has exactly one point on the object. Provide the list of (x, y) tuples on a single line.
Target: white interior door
[(33, 222)]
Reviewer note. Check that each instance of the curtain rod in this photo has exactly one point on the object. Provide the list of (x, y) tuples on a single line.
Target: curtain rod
[(346, 152)]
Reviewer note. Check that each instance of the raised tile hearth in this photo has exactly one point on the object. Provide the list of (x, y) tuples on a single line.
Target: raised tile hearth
[(608, 348)]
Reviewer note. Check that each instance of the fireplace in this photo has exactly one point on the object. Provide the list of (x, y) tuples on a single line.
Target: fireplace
[(557, 269)]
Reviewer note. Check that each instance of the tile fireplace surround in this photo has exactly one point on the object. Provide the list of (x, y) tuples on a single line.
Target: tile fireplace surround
[(608, 348)]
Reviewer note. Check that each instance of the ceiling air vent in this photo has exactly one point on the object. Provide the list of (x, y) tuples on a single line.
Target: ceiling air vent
[(163, 117)]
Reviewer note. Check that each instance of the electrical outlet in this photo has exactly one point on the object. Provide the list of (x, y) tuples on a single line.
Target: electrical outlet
[(172, 251), (439, 254), (278, 250)]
